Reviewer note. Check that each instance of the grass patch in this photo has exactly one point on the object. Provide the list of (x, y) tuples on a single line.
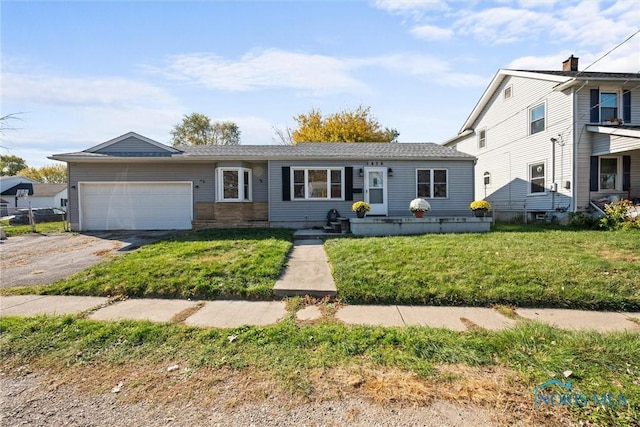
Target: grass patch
[(202, 265), (411, 365), (535, 266), (44, 227)]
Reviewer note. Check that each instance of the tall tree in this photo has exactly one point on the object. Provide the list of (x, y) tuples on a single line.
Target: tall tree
[(358, 125), (49, 174), (198, 129), (11, 165)]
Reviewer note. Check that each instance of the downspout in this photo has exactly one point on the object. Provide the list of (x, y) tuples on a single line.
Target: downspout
[(574, 147)]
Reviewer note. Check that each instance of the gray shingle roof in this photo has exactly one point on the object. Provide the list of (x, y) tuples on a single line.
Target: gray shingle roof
[(326, 150), (315, 150), (588, 74)]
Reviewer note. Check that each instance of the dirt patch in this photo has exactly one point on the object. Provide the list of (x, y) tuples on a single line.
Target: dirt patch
[(41, 259), (168, 394)]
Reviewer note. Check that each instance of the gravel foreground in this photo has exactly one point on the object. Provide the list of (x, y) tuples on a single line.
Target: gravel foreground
[(30, 401)]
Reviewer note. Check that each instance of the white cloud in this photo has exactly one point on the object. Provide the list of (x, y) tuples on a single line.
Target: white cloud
[(428, 67), (431, 32), (51, 89), (410, 6), (312, 74), (502, 25), (267, 69)]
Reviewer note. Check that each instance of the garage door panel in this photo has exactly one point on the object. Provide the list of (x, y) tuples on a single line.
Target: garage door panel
[(136, 206)]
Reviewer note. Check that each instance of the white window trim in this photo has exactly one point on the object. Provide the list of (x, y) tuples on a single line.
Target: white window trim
[(529, 121), (507, 89), (618, 174), (431, 183), (306, 170), (546, 190), (241, 184), (618, 93), (480, 131)]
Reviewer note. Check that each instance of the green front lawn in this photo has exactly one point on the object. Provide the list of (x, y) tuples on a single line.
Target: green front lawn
[(521, 266), (204, 265), (541, 266)]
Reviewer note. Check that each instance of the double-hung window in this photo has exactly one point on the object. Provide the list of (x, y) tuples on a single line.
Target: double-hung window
[(537, 178), (431, 183), (482, 138), (536, 119), (608, 106), (318, 183), (234, 184)]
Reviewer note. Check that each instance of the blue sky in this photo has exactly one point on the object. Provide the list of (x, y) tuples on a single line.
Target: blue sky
[(82, 72)]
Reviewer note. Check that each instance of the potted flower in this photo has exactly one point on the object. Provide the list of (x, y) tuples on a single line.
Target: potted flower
[(480, 207), (419, 207), (361, 208)]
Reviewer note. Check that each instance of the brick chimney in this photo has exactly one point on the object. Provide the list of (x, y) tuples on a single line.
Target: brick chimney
[(571, 64)]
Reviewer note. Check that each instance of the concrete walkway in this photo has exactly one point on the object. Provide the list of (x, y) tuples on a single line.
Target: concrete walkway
[(307, 273), (229, 314)]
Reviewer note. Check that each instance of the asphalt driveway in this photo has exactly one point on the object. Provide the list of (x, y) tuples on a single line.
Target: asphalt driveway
[(41, 259)]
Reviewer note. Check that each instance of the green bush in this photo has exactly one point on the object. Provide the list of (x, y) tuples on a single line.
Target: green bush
[(617, 216), (582, 221)]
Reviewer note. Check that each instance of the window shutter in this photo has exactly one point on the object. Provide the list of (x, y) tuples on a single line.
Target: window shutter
[(286, 183), (626, 173), (595, 107), (348, 183), (626, 106), (593, 174)]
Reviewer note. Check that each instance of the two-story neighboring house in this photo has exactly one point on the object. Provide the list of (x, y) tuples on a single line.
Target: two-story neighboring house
[(551, 142)]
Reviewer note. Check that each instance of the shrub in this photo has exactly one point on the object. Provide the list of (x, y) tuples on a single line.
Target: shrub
[(617, 216), (583, 221)]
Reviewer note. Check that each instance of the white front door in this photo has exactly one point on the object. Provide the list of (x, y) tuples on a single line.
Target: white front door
[(375, 190)]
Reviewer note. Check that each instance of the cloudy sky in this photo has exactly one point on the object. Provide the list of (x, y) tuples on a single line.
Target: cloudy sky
[(79, 73)]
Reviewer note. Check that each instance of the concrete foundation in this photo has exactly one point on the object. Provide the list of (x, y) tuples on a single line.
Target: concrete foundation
[(394, 226)]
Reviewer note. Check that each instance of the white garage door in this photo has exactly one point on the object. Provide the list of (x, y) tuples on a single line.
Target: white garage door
[(135, 205)]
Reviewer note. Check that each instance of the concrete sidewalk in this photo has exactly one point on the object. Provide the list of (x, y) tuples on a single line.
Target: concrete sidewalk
[(229, 314), (307, 273)]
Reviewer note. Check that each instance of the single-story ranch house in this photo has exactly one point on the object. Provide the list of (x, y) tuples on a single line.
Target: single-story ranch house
[(134, 183)]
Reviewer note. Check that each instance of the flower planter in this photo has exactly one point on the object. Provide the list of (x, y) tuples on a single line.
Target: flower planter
[(418, 214), (361, 214), (480, 213)]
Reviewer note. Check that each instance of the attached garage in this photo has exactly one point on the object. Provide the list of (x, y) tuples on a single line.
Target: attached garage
[(135, 205)]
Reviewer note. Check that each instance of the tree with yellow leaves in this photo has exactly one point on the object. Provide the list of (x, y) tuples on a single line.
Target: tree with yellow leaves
[(358, 125)]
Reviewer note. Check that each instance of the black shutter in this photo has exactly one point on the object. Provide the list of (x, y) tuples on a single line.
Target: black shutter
[(626, 173), (348, 183), (595, 107), (626, 106), (593, 174), (286, 183)]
